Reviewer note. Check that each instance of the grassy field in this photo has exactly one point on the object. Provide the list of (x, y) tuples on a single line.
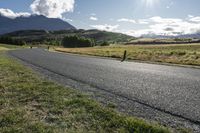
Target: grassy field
[(29, 103), (186, 54), (8, 47)]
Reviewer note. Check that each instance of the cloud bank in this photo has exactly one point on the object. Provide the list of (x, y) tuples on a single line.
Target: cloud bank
[(10, 14), (48, 8), (105, 27), (52, 8), (126, 20), (167, 26), (195, 19)]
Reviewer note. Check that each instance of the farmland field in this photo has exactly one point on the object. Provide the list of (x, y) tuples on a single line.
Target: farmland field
[(186, 54)]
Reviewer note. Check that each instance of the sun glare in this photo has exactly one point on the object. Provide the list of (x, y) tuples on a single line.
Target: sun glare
[(150, 3)]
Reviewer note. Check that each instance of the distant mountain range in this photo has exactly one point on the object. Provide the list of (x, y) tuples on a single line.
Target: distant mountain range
[(195, 35), (33, 22)]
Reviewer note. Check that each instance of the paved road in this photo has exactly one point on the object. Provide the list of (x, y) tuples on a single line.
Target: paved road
[(173, 90)]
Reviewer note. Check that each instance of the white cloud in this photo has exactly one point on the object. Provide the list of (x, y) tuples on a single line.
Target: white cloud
[(126, 20), (194, 19), (136, 33), (48, 8), (10, 14), (158, 19), (177, 26), (67, 19), (143, 21), (106, 27), (52, 8), (190, 16), (93, 18), (168, 26)]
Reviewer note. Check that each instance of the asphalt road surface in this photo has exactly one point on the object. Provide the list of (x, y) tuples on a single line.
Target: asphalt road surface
[(170, 89)]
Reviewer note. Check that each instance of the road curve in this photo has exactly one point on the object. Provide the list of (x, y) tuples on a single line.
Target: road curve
[(173, 90)]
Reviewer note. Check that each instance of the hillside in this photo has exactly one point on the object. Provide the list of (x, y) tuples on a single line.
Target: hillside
[(55, 37)]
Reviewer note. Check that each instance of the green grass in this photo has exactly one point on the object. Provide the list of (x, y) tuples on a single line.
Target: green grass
[(29, 103), (7, 46), (186, 54), (3, 49)]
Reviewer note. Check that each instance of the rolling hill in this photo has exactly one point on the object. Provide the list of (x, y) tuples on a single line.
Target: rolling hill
[(55, 37)]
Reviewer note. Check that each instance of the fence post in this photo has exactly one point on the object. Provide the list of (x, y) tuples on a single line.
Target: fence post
[(124, 57)]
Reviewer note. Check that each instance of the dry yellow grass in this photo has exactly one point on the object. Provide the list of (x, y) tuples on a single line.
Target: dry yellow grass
[(187, 54), (2, 48)]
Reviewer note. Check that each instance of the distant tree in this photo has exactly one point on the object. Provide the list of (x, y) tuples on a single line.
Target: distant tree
[(75, 41), (104, 44), (183, 39)]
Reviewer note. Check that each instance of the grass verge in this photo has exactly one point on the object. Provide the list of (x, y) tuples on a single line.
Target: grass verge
[(185, 54), (8, 47), (29, 103)]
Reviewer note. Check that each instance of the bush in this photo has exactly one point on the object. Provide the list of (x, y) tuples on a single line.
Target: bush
[(75, 41), (104, 43), (183, 39)]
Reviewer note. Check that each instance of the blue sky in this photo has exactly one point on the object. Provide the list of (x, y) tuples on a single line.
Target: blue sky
[(134, 17)]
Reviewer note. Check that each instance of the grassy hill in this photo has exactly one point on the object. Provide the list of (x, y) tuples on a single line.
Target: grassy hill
[(55, 37)]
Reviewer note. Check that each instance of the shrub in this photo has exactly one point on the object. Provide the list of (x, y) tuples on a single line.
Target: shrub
[(75, 41), (104, 43)]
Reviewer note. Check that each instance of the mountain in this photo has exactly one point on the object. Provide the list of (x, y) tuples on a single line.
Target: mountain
[(34, 22), (195, 35)]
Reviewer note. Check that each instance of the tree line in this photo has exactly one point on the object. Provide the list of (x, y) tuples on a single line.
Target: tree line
[(10, 40), (68, 42), (75, 41)]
